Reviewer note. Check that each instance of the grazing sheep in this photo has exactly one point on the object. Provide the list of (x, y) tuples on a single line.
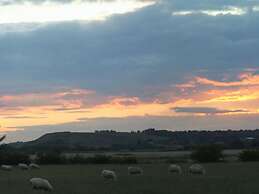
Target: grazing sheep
[(34, 166), (135, 170), (41, 184), (6, 167), (197, 169), (174, 168), (109, 174), (23, 166)]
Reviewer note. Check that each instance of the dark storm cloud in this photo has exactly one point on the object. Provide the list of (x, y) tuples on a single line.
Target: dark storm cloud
[(135, 54), (204, 110)]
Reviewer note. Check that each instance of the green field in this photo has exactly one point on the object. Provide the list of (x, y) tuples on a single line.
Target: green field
[(223, 178)]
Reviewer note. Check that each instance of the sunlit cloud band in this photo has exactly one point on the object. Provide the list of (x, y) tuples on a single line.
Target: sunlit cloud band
[(214, 12), (28, 12)]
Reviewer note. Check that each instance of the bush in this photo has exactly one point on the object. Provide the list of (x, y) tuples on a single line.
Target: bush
[(13, 158), (176, 160), (124, 160), (100, 159), (208, 153), (77, 159), (51, 158), (57, 158), (249, 155)]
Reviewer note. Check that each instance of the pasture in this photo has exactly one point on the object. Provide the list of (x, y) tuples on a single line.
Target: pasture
[(221, 178)]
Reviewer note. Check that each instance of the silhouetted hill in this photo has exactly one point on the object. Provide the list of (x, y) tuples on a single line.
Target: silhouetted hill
[(149, 139)]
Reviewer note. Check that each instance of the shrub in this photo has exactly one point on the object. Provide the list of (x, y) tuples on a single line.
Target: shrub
[(249, 155), (172, 160), (124, 160), (51, 158), (13, 158), (100, 159), (77, 159), (57, 158), (207, 153)]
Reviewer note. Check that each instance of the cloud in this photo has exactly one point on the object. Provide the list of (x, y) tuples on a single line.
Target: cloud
[(214, 12), (246, 79), (209, 5), (205, 110), (242, 87), (144, 61), (195, 96), (67, 98), (23, 117), (52, 11)]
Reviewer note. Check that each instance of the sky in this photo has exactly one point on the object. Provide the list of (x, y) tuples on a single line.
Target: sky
[(86, 65)]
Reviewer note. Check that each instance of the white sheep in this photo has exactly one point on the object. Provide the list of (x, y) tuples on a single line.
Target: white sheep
[(6, 167), (135, 170), (34, 166), (41, 184), (174, 168), (23, 166), (197, 169), (109, 174)]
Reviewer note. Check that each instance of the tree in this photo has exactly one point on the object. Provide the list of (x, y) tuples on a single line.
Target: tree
[(207, 153), (249, 155)]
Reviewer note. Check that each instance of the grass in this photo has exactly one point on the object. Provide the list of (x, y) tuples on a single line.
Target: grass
[(222, 178)]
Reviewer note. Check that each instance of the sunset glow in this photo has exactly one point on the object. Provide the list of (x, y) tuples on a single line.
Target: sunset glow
[(86, 65), (73, 105)]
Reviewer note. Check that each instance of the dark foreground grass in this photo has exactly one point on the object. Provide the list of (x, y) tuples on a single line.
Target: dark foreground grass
[(224, 178)]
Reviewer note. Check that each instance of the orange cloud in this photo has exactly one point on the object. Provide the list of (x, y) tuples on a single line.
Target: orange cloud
[(246, 79), (67, 97), (219, 97)]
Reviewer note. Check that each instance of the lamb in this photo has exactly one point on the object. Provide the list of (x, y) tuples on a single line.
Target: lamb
[(6, 167), (135, 170), (34, 166), (174, 168), (41, 184), (23, 166), (197, 169), (109, 175)]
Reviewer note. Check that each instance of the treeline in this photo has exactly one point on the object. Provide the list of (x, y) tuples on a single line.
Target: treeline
[(12, 156), (202, 154), (230, 139), (16, 157), (214, 153), (147, 140), (55, 158)]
